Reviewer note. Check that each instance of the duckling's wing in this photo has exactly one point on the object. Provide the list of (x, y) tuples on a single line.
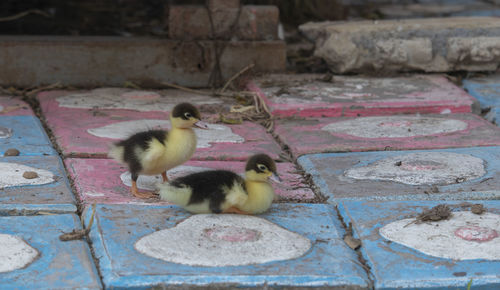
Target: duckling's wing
[(150, 145)]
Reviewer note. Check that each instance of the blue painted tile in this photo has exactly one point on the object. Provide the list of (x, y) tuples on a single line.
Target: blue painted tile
[(419, 175), (59, 265), (118, 229), (49, 192), (487, 91), (408, 257), (27, 136)]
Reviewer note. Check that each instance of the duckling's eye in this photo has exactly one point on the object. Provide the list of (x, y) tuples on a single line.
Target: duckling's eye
[(262, 167), (188, 115)]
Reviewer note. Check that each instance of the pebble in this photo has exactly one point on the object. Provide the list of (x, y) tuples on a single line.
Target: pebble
[(477, 208), (11, 152), (30, 174)]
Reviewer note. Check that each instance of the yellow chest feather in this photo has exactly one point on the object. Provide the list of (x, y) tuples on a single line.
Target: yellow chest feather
[(260, 197)]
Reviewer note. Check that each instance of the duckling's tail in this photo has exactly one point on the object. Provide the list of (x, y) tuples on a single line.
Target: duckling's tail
[(174, 194), (116, 152)]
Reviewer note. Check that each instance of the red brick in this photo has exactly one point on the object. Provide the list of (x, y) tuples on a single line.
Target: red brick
[(192, 22)]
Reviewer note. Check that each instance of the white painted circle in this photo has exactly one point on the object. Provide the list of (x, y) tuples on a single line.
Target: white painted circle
[(223, 240), (120, 98), (5, 132), (395, 126), (439, 239), (422, 168), (148, 182), (15, 253), (11, 174), (216, 133)]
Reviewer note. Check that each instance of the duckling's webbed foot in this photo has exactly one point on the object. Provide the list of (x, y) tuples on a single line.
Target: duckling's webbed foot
[(164, 176), (135, 192), (236, 211)]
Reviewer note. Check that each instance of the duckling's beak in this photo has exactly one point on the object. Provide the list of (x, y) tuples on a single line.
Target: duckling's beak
[(201, 125), (275, 177)]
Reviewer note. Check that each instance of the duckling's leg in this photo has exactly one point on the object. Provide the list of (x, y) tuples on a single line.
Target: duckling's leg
[(236, 210), (135, 190), (164, 176)]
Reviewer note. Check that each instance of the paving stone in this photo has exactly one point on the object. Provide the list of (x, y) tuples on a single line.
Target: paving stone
[(487, 91), (291, 246), (463, 173), (430, 255), (430, 45), (82, 130), (14, 106), (106, 181), (399, 132), (311, 95), (24, 133), (91, 61), (33, 257), (50, 191)]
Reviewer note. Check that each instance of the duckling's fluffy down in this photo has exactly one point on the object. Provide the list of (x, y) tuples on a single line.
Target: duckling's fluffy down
[(206, 192)]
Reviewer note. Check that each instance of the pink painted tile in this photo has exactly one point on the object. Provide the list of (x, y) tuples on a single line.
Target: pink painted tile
[(400, 132), (71, 125), (14, 106), (99, 180), (306, 95)]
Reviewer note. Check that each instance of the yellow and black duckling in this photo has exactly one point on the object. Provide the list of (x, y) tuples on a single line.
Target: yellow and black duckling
[(155, 151), (223, 191)]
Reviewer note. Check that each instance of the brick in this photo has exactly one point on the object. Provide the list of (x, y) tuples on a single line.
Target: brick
[(309, 95), (398, 132), (255, 23), (223, 4), (14, 106), (431, 45), (487, 91), (447, 174), (57, 264), (126, 244), (95, 61), (26, 134), (445, 254)]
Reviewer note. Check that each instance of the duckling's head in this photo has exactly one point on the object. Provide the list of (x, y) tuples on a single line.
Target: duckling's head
[(185, 116), (260, 167)]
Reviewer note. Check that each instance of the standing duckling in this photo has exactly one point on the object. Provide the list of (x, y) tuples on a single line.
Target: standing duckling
[(222, 191), (156, 151)]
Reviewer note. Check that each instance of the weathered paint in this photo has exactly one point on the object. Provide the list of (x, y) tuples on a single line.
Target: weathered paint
[(487, 91), (394, 265), (478, 132), (223, 240), (58, 265), (306, 95), (423, 168), (11, 174), (395, 126), (14, 106), (117, 229), (121, 98), (51, 188), (462, 173), (464, 236), (70, 128), (26, 134), (15, 253), (215, 133), (105, 181)]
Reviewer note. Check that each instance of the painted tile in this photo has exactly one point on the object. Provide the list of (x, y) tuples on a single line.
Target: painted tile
[(399, 132), (487, 91), (429, 255), (14, 106), (33, 257), (126, 240), (47, 189), (106, 181), (463, 173), (307, 95), (24, 133), (84, 131)]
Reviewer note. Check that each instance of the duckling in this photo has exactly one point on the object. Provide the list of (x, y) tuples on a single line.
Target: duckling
[(155, 151), (223, 191)]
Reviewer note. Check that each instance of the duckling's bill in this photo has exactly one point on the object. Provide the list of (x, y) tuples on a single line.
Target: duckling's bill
[(201, 125), (275, 177)]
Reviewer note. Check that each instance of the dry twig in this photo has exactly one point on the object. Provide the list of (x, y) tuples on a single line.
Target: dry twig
[(24, 13)]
